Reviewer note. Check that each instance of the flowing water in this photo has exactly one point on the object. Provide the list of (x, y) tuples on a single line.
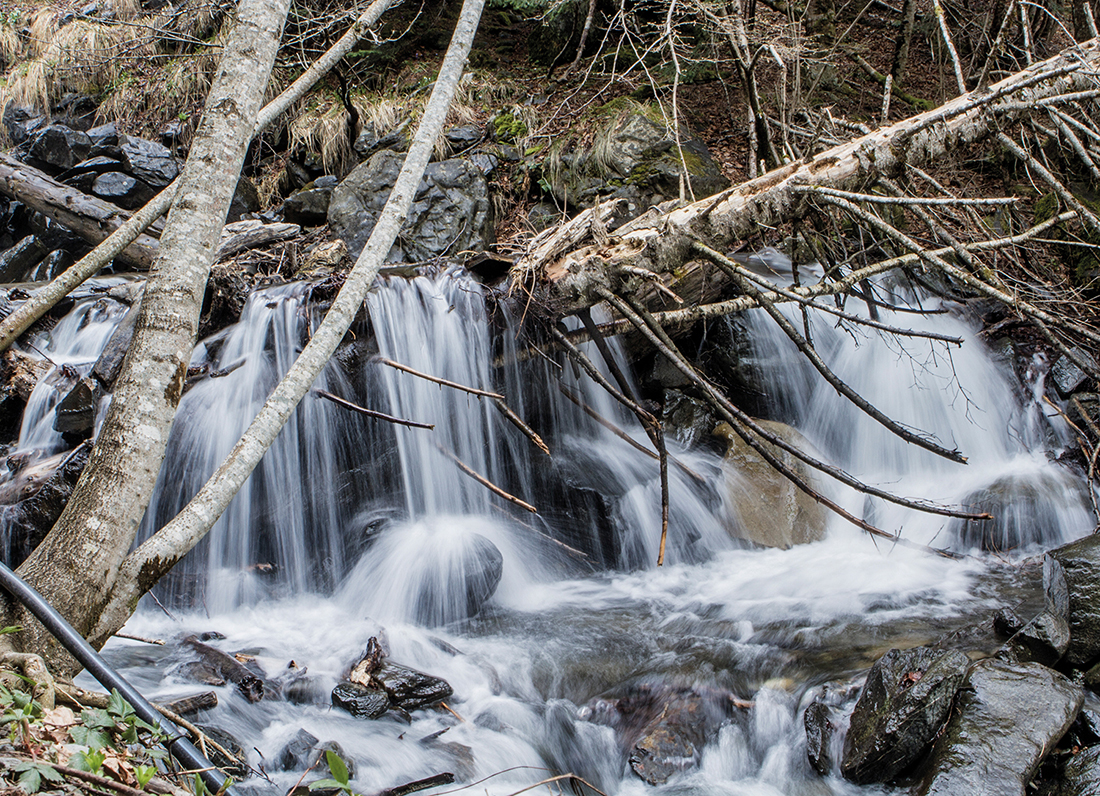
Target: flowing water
[(354, 528)]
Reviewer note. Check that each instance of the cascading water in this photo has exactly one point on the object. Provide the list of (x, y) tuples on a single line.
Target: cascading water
[(542, 672)]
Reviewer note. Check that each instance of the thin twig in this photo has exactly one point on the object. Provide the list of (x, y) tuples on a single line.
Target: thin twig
[(437, 380), (485, 482), (370, 412)]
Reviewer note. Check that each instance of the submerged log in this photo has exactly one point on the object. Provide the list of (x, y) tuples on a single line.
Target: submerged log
[(227, 668)]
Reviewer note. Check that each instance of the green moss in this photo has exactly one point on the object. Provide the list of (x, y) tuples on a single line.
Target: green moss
[(508, 127), (1045, 208)]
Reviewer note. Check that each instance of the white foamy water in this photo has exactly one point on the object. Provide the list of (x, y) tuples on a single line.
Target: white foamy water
[(384, 543)]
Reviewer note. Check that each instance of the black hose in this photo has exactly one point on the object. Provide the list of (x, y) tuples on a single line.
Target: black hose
[(182, 749)]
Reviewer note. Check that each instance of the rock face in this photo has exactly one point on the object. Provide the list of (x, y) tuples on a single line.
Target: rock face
[(450, 212), (635, 156), (770, 511), (1080, 561), (1081, 774), (904, 703), (1007, 718)]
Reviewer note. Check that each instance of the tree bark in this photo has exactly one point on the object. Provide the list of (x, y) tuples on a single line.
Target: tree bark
[(158, 554), (77, 563)]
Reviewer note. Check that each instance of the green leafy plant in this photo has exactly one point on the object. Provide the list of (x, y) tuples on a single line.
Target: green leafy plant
[(339, 778), (31, 775)]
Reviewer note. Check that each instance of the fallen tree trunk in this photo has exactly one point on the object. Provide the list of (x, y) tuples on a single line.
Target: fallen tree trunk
[(91, 218), (661, 242)]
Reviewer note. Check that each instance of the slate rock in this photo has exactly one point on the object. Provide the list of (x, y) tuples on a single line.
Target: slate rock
[(297, 751), (1044, 640), (21, 122), (104, 135), (1066, 376), (1007, 623), (122, 189), (309, 206), (21, 258), (1080, 561), (903, 704), (821, 722), (61, 146), (1007, 718), (459, 139), (368, 142), (148, 160), (450, 211), (98, 165), (76, 411), (410, 689), (1081, 774), (360, 701)]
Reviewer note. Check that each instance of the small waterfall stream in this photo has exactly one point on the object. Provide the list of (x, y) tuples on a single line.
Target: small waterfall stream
[(354, 528)]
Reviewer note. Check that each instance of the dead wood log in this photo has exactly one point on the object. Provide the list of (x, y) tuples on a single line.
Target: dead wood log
[(91, 218), (661, 242)]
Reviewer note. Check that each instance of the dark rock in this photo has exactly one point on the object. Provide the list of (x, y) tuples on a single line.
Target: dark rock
[(309, 206), (410, 689), (318, 760), (486, 162), (97, 165), (1007, 623), (360, 701), (228, 668), (478, 572), (148, 160), (75, 110), (459, 139), (305, 690), (369, 141), (1080, 561), (21, 122), (1022, 508), (1007, 717), (31, 519), (122, 189), (1043, 640), (1066, 376), (109, 364), (690, 420), (17, 261), (905, 701), (543, 215), (295, 177), (55, 262), (674, 740), (60, 146), (450, 211), (104, 135), (1081, 774), (82, 181), (246, 199), (821, 722), (76, 411), (233, 767), (297, 752)]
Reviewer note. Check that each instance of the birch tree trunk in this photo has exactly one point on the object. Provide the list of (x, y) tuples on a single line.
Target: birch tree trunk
[(159, 553), (76, 566)]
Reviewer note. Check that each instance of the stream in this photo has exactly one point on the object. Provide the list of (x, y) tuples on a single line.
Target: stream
[(352, 528)]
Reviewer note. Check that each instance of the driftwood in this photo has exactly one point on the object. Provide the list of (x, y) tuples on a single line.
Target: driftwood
[(204, 700), (229, 669)]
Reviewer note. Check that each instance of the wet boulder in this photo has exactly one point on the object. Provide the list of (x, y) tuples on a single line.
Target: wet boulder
[(821, 721), (60, 146), (22, 122), (148, 160), (215, 667), (476, 573), (306, 751), (767, 508), (1081, 774), (122, 189), (1007, 717), (671, 743), (364, 702), (1046, 637), (76, 411), (410, 689), (903, 704), (1021, 506), (450, 212), (1080, 562), (17, 261)]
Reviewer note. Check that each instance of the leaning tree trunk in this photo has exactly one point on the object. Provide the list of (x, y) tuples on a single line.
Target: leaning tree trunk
[(77, 563), (160, 552)]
